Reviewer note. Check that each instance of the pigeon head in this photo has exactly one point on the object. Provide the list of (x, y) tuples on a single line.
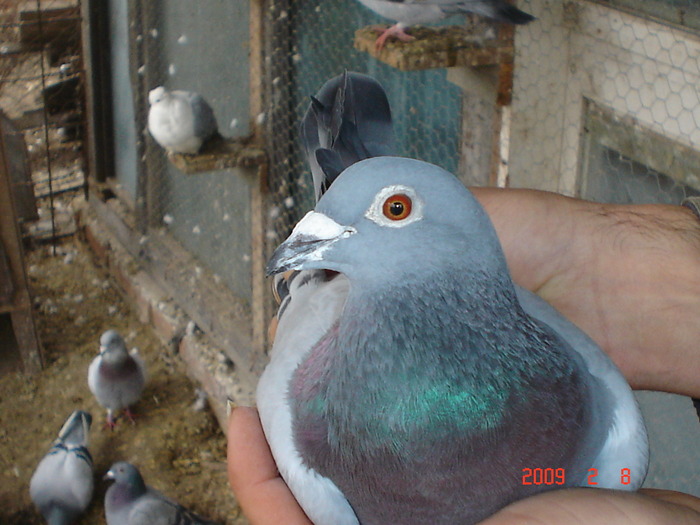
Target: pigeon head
[(123, 473), (111, 341), (383, 215), (157, 95), (75, 429)]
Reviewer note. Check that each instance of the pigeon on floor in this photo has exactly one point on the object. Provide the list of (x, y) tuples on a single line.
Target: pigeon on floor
[(411, 381), (180, 121), (129, 501), (116, 376), (62, 484), (413, 12), (348, 120)]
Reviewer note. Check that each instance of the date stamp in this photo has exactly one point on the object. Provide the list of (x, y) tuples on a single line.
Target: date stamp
[(557, 476)]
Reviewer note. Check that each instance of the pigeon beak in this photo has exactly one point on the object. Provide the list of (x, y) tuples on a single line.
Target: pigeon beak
[(108, 476), (311, 237)]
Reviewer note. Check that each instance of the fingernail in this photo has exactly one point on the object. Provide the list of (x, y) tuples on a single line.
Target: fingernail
[(230, 406)]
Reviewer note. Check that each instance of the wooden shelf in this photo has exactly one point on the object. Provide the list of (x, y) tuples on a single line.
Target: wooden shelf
[(437, 47), (221, 154)]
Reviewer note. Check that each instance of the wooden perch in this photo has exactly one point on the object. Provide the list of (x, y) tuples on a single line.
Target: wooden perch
[(437, 47), (220, 154)]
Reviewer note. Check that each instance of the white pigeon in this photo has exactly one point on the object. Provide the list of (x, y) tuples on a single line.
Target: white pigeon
[(116, 376), (180, 121), (62, 484)]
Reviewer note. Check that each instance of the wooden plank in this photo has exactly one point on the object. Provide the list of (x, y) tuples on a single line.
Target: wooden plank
[(20, 171), (10, 237), (58, 26), (7, 287), (221, 154), (437, 47)]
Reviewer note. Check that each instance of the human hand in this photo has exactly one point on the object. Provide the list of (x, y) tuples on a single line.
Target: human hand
[(266, 500), (627, 275)]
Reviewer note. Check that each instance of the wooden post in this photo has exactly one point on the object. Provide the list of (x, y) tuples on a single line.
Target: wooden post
[(19, 305)]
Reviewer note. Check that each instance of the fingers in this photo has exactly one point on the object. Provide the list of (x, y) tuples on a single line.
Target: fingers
[(599, 507), (261, 492)]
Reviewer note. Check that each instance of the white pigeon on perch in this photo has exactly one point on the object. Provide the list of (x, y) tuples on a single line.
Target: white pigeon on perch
[(180, 121)]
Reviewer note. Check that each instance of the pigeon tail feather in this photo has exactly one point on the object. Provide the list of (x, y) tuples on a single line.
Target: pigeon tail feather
[(510, 13)]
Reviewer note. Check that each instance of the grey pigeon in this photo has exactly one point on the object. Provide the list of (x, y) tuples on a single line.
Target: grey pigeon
[(62, 484), (129, 501), (348, 120), (116, 377), (413, 12), (180, 121), (411, 381)]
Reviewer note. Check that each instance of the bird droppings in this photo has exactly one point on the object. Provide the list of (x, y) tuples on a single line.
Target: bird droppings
[(168, 219), (182, 40), (179, 451), (196, 230), (233, 124), (260, 118), (141, 70), (289, 202), (172, 69), (154, 33)]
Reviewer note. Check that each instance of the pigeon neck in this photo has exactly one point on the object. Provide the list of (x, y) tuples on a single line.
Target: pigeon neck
[(124, 493), (115, 356)]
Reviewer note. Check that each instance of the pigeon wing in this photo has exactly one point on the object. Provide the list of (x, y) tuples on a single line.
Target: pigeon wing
[(312, 305), (618, 437)]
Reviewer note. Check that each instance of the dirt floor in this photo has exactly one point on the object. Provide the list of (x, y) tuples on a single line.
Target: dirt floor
[(179, 449)]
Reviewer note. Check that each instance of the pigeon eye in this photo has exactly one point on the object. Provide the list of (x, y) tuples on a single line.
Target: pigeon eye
[(397, 207)]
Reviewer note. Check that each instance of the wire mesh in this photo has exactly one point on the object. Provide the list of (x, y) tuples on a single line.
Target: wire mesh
[(311, 42), (41, 95), (631, 61)]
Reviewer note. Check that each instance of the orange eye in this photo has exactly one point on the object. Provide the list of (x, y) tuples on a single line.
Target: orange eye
[(397, 207)]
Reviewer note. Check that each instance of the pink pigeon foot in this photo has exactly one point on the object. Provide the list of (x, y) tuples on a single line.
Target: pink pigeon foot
[(111, 422), (396, 31), (130, 415)]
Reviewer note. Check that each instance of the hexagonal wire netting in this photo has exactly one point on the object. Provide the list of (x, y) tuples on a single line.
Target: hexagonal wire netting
[(311, 42), (606, 104)]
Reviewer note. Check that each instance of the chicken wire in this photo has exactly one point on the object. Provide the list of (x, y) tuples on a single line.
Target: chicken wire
[(41, 95), (582, 59), (310, 42)]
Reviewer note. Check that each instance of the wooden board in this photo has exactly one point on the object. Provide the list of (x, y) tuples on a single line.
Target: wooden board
[(437, 47), (221, 154)]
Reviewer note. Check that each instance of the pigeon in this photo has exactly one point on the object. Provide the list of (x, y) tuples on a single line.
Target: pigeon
[(180, 121), (116, 377), (129, 501), (413, 12), (411, 381), (348, 120), (62, 484)]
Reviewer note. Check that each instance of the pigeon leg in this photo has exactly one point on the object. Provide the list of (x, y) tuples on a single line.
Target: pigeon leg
[(111, 422), (130, 415), (397, 30)]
